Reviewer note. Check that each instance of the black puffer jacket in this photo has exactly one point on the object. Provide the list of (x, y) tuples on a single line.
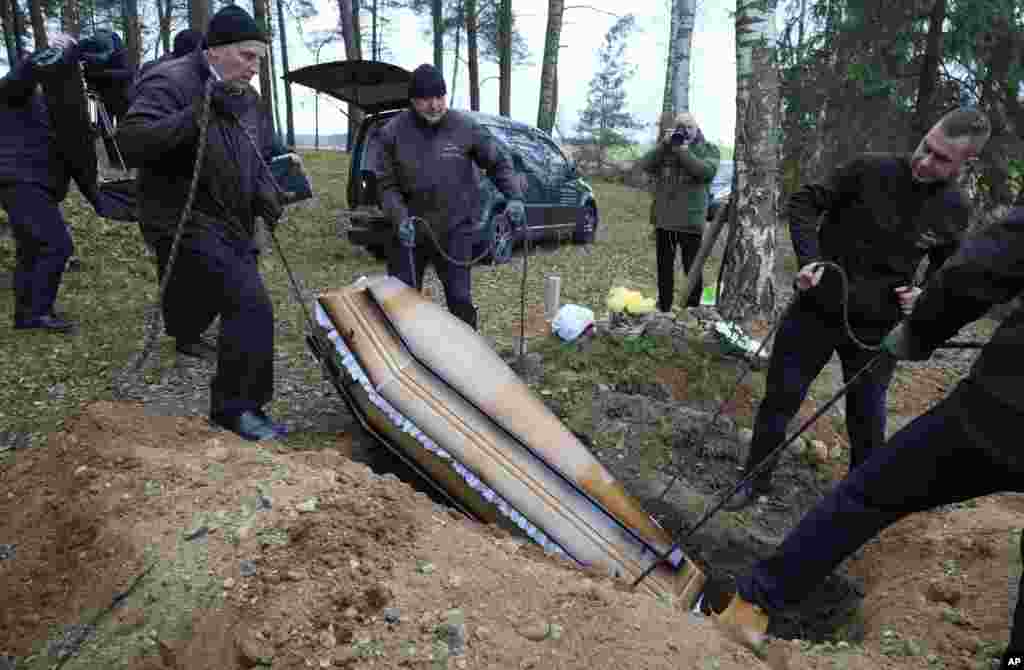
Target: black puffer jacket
[(159, 135), (432, 171), (28, 150), (878, 225)]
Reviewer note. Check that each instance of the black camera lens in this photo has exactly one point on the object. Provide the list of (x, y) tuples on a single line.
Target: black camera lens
[(679, 137)]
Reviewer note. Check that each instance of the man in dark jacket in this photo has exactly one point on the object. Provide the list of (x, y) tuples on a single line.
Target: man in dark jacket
[(882, 215), (965, 447), (428, 170), (34, 179), (681, 166), (216, 271), (185, 42)]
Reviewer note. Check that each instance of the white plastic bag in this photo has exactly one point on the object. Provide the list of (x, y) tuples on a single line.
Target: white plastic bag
[(571, 320)]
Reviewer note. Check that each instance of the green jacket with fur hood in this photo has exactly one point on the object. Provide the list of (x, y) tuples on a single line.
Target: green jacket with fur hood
[(680, 178)]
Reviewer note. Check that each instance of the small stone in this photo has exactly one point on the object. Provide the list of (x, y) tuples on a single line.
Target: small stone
[(351, 613), (294, 576), (454, 581), (246, 568), (216, 451), (392, 615), (819, 450), (327, 639), (482, 633), (81, 470), (252, 650), (535, 630), (424, 567), (229, 582), (307, 506)]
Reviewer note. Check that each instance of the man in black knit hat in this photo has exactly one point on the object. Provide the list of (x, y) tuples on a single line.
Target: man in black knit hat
[(216, 270), (427, 171)]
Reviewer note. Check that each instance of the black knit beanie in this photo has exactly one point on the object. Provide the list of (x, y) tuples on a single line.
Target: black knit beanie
[(233, 24), (186, 41), (427, 82)]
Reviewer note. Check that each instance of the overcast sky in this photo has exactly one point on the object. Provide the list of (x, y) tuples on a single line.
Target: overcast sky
[(713, 74)]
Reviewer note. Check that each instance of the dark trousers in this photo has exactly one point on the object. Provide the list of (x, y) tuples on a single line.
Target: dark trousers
[(409, 265), (935, 460), (212, 276), (43, 246), (804, 344), (666, 242)]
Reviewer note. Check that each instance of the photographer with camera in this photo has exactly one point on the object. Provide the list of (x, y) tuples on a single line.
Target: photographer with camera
[(34, 179), (216, 270), (681, 166)]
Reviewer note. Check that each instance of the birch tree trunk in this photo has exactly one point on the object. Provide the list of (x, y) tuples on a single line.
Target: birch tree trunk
[(35, 10), (680, 44), (748, 290), (548, 107), (472, 55)]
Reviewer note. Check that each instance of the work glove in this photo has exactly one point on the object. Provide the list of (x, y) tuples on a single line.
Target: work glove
[(407, 232), (516, 212), (229, 100), (901, 344)]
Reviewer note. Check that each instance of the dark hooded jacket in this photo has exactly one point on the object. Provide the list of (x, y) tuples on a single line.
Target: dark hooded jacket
[(28, 150), (987, 270), (878, 224), (432, 171), (160, 134)]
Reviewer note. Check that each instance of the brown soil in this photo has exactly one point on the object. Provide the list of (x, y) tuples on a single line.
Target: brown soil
[(119, 490)]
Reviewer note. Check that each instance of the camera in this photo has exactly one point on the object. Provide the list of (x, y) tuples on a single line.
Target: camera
[(680, 136)]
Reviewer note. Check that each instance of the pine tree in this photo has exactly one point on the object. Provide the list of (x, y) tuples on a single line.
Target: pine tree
[(604, 122)]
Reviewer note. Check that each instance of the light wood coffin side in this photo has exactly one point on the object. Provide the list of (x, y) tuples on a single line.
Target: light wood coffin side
[(541, 494)]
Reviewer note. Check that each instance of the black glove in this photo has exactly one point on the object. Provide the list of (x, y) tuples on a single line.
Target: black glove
[(901, 344), (229, 100)]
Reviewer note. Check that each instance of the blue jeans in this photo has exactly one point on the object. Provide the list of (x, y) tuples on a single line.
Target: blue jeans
[(804, 344), (939, 458)]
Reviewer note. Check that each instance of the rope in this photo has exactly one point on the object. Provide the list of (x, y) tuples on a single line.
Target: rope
[(156, 311), (767, 461)]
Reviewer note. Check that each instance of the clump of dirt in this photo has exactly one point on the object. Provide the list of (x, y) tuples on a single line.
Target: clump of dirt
[(186, 548)]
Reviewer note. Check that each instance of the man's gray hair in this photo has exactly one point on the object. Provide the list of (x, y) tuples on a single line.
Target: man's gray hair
[(967, 123)]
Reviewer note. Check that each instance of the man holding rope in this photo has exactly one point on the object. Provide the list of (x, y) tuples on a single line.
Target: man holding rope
[(215, 271), (429, 187), (880, 215), (964, 447)]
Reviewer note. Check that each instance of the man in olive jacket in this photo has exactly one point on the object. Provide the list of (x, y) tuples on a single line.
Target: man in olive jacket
[(216, 270), (428, 169), (877, 217), (681, 167)]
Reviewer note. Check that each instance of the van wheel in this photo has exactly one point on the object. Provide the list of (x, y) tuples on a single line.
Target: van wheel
[(501, 229), (586, 228)]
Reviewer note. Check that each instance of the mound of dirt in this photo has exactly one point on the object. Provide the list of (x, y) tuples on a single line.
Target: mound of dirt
[(153, 542)]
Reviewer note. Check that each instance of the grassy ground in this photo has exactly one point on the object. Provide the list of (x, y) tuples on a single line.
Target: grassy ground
[(43, 377)]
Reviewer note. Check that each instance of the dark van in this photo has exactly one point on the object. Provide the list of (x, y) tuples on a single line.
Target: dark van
[(558, 201)]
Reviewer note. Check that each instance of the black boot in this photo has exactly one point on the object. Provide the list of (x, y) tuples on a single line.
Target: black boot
[(465, 311)]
